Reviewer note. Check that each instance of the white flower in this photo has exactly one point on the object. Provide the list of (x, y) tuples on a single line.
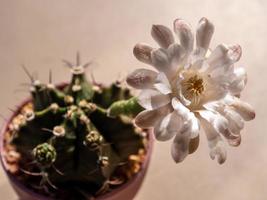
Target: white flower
[(193, 88)]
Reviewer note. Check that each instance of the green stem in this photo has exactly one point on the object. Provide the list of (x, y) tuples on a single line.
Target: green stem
[(129, 107)]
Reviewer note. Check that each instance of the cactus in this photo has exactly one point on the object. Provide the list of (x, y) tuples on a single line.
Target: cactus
[(76, 141)]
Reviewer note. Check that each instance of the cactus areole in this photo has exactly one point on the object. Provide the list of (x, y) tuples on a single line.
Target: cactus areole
[(75, 141)]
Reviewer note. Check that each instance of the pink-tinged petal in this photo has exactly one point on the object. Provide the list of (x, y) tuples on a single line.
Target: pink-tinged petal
[(142, 78), (180, 108), (193, 144), (243, 109), (224, 56), (204, 34), (181, 142), (160, 60), (168, 127), (236, 123), (219, 123), (184, 32), (162, 35), (216, 145), (232, 139), (176, 54), (152, 99), (149, 118), (239, 81), (162, 84), (143, 53), (234, 53)]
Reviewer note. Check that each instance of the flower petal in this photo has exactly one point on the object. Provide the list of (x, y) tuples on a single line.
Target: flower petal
[(142, 78), (162, 84), (180, 145), (234, 52), (243, 109), (184, 32), (224, 56), (239, 81), (152, 99), (180, 108), (219, 123), (160, 60), (176, 54), (149, 118), (162, 35), (168, 127), (236, 123), (204, 33), (193, 144), (187, 116), (143, 53), (215, 142)]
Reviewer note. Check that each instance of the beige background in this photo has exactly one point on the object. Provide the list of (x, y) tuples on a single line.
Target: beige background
[(39, 33)]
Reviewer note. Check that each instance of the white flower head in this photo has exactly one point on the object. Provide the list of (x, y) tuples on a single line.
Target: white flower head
[(191, 88)]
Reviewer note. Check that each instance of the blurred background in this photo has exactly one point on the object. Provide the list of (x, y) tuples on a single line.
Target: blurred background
[(41, 33)]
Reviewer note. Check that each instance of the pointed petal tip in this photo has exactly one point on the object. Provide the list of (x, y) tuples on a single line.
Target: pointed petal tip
[(142, 52), (235, 52), (162, 35)]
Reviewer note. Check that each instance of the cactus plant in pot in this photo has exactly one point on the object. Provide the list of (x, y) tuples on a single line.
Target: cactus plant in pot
[(75, 141)]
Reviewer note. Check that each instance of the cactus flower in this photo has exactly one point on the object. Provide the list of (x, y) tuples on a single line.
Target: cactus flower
[(191, 88)]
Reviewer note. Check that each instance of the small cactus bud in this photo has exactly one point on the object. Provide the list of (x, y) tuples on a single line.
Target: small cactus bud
[(83, 103), (76, 88), (68, 99), (37, 83), (50, 86), (29, 115), (93, 140), (54, 107), (84, 119), (103, 161), (45, 154), (59, 131)]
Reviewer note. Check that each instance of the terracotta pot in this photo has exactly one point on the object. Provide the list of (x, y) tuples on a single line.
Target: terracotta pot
[(126, 191)]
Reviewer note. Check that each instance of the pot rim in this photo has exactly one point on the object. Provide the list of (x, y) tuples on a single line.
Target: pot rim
[(23, 187)]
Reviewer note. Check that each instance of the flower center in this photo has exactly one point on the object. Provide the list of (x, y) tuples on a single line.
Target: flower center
[(193, 88)]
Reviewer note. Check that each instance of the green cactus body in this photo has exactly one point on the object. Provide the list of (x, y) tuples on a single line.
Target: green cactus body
[(75, 137)]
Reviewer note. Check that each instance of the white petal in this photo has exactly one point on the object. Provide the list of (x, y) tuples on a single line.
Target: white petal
[(142, 78), (180, 145), (216, 145), (239, 81), (236, 123), (143, 53), (244, 109), (184, 32), (219, 123), (162, 84), (234, 53), (176, 54), (168, 127), (149, 118), (152, 99), (204, 33), (160, 60), (184, 100), (187, 116), (181, 109), (224, 56), (162, 35)]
